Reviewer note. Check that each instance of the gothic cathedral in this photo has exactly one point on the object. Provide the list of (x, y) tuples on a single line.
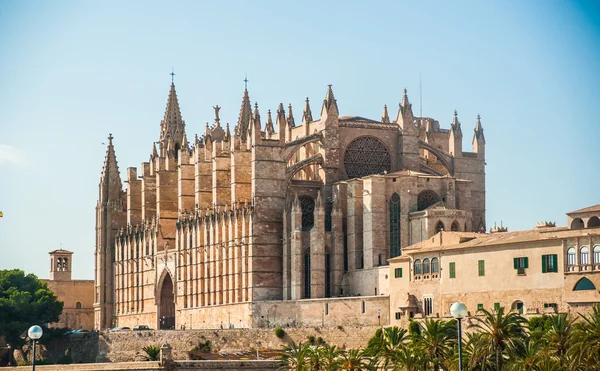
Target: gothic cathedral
[(277, 223)]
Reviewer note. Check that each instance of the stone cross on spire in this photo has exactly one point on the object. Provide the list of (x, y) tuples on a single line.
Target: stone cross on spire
[(172, 76), (246, 82)]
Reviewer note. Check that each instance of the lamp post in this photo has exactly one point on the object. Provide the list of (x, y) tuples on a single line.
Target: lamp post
[(459, 311), (34, 332)]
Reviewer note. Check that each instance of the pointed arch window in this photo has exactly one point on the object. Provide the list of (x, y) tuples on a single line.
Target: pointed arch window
[(454, 227), (597, 254), (327, 275), (307, 273), (395, 226), (571, 256), (439, 227), (584, 284), (417, 266), (584, 255), (307, 204), (426, 199)]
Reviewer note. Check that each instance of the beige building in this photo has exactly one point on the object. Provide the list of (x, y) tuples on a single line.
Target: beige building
[(546, 269), (77, 295), (276, 221)]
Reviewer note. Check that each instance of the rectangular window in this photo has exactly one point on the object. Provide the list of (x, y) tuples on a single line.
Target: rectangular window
[(453, 270), (479, 307), (551, 305), (496, 306), (550, 263), (521, 264), (481, 268), (397, 315), (398, 273), (428, 305)]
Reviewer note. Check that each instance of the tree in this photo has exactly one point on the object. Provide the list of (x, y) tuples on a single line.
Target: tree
[(586, 342), (500, 332), (437, 341), (296, 357), (24, 301), (385, 343)]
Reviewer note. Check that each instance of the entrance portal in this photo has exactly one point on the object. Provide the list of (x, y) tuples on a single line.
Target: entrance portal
[(166, 310)]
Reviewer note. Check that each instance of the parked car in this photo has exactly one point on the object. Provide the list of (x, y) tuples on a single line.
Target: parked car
[(141, 328), (78, 331), (124, 328)]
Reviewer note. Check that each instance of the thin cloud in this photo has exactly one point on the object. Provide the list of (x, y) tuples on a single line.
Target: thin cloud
[(11, 155)]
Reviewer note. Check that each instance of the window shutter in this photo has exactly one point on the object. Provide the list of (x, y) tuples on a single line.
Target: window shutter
[(526, 262), (544, 267), (516, 263), (452, 270), (481, 268), (400, 272), (555, 261)]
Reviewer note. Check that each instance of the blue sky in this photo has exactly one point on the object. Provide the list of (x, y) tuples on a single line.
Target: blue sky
[(72, 72)]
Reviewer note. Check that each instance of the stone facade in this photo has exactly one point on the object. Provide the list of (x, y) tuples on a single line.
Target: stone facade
[(77, 295), (544, 270), (236, 223)]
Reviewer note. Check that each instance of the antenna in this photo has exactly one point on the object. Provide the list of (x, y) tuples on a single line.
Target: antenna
[(420, 95)]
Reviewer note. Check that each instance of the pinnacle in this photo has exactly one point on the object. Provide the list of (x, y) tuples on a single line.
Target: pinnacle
[(307, 114), (385, 118), (290, 119), (330, 98), (172, 124), (245, 115)]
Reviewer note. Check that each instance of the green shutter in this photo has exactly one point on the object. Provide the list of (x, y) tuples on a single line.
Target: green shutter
[(481, 268), (516, 263), (554, 258), (479, 306), (526, 262), (452, 270), (544, 267), (400, 272), (496, 306)]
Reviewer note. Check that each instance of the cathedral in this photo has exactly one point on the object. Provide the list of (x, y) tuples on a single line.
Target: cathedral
[(278, 221)]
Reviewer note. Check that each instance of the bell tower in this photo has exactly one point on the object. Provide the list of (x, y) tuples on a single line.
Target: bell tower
[(60, 265)]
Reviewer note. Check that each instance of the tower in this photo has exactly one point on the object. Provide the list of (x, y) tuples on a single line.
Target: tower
[(60, 265), (111, 215)]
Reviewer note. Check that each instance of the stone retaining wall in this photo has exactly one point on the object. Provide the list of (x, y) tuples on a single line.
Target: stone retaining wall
[(154, 366)]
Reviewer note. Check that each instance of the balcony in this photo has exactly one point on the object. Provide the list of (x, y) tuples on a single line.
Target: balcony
[(576, 268)]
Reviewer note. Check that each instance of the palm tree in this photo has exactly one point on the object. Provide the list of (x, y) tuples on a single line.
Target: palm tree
[(501, 332), (407, 359), (477, 354), (384, 344), (526, 356), (296, 357), (586, 341), (355, 360), (326, 358), (437, 342), (558, 338)]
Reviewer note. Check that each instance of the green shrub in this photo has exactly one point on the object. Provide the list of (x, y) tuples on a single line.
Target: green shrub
[(413, 328), (311, 339), (320, 341), (202, 347), (279, 332), (152, 351)]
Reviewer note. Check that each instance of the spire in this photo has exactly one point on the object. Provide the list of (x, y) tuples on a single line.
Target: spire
[(281, 123), (479, 130), (269, 128), (184, 144), (245, 115), (307, 114), (256, 114), (154, 151), (406, 107), (172, 124), (290, 118), (330, 102), (227, 133), (385, 118), (110, 181), (455, 126)]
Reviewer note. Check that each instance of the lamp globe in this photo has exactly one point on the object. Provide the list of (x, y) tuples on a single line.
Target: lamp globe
[(458, 310), (35, 332)]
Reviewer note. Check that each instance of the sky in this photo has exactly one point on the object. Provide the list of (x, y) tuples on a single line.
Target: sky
[(71, 72)]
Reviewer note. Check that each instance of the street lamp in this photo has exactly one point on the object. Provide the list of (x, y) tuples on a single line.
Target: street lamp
[(459, 311), (34, 332)]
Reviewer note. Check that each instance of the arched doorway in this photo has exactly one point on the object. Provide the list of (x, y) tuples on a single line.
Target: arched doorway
[(518, 306), (166, 310)]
